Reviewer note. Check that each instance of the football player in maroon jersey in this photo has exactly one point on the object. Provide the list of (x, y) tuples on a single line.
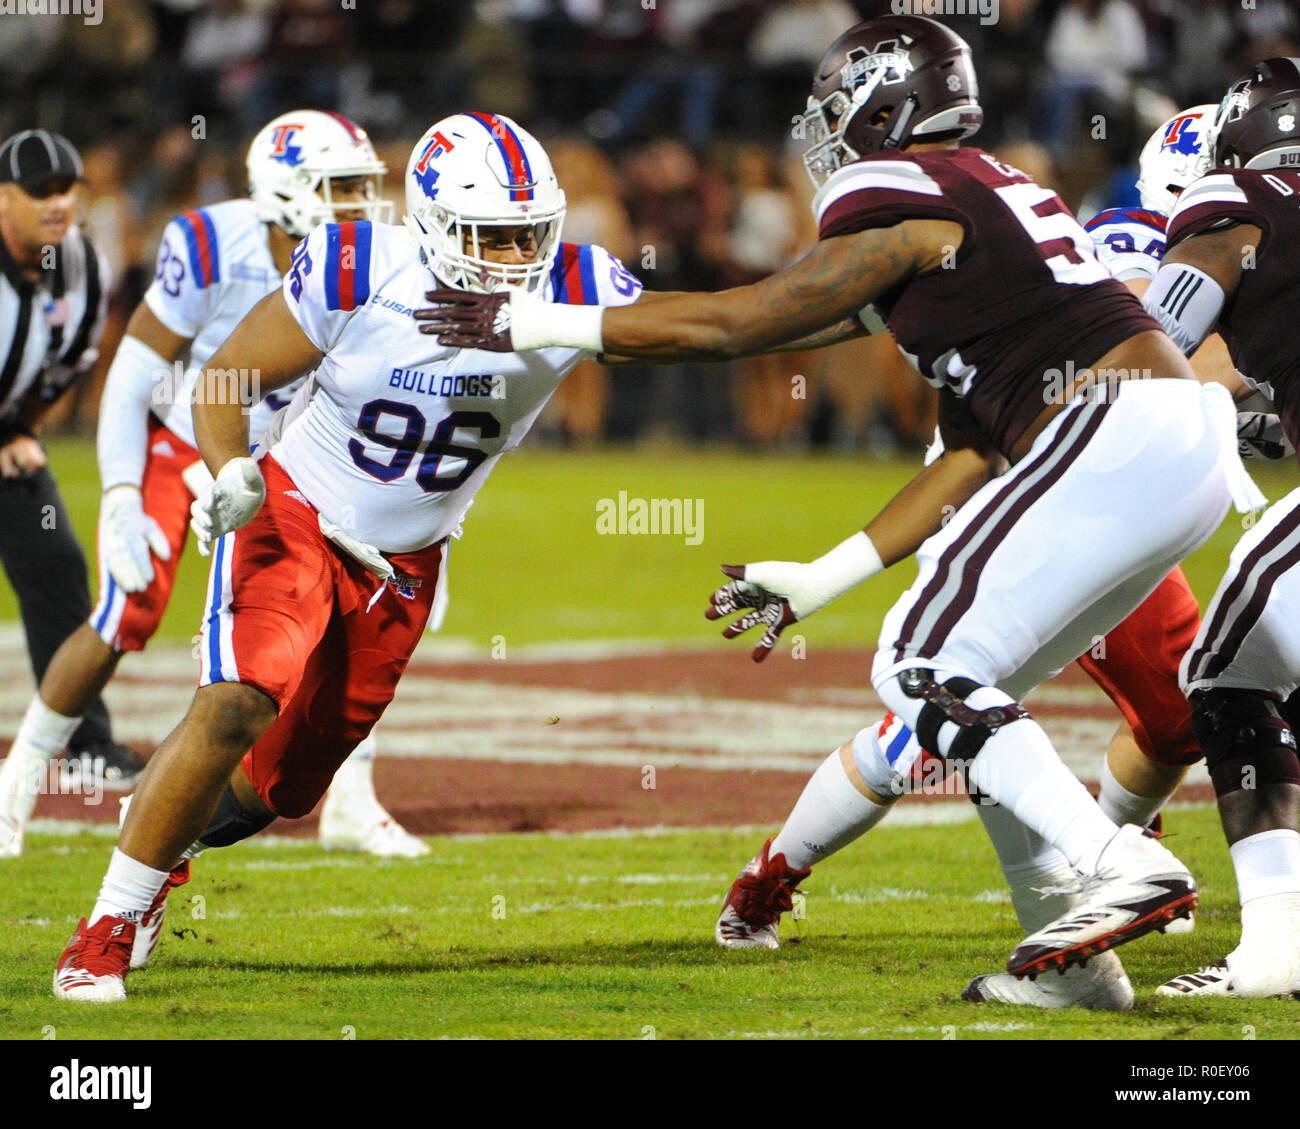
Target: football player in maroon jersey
[(1231, 265), (992, 290)]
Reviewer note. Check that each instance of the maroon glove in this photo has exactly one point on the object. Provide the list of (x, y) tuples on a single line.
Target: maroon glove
[(466, 320), (770, 609)]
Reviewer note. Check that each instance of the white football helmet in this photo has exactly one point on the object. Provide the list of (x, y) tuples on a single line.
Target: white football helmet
[(473, 172), (1174, 156), (293, 160)]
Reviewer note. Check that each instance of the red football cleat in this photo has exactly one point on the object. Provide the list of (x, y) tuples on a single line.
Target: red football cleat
[(764, 891), (94, 965)]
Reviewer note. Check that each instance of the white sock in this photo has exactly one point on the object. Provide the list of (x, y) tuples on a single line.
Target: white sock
[(42, 735), (829, 814), (353, 786), (1019, 769), (128, 889), (1029, 863), (1122, 806), (1267, 864)]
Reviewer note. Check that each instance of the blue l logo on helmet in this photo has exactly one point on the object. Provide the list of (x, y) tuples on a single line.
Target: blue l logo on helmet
[(1183, 136), (282, 146)]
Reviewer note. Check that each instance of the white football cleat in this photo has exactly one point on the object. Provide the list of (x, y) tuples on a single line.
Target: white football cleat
[(1265, 964), (1102, 986), (369, 829), (1235, 979), (1137, 887)]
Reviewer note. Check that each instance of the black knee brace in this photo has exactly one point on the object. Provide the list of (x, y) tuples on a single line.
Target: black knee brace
[(1244, 736), (947, 702), (231, 822)]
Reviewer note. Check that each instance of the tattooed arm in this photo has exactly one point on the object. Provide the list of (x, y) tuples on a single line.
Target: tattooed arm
[(815, 295), (844, 330)]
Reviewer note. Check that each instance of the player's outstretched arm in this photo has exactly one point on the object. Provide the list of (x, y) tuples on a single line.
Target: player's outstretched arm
[(779, 593), (828, 285)]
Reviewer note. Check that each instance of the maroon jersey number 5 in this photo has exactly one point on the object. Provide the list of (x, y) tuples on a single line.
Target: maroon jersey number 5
[(1065, 247)]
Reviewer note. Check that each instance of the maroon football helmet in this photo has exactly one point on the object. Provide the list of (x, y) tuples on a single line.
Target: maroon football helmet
[(1258, 123), (884, 84)]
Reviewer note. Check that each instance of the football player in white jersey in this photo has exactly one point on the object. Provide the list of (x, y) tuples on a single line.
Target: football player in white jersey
[(214, 264), (328, 546)]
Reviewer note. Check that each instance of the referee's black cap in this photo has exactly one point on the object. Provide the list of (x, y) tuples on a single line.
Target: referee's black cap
[(33, 156)]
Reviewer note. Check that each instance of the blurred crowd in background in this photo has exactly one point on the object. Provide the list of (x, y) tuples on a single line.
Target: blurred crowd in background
[(670, 124)]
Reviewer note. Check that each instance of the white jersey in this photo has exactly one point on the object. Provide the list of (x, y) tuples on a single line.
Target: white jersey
[(1129, 241), (214, 265), (401, 432)]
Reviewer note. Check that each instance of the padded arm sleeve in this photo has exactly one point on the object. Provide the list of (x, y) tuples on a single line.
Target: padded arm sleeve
[(1186, 302), (123, 436)]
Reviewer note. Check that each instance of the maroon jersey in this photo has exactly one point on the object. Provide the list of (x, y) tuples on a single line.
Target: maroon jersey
[(1257, 320), (1025, 299)]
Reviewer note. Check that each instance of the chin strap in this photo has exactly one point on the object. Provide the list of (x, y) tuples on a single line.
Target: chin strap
[(901, 120)]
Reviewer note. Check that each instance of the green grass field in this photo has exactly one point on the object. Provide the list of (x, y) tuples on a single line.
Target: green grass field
[(597, 937), (600, 936), (532, 565)]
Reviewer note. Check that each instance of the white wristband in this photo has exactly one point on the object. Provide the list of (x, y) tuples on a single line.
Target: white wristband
[(535, 324), (847, 565)]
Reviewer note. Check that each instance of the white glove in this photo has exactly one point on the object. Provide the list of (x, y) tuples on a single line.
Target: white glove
[(126, 535), (236, 494)]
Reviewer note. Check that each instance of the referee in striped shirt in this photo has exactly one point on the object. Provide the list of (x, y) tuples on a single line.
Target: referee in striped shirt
[(53, 302)]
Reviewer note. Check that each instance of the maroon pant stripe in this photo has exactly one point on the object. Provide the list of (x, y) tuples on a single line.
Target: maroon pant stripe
[(1222, 656)]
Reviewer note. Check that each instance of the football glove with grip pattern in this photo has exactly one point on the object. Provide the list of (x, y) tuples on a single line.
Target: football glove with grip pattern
[(782, 592), (127, 535), (229, 503), (509, 320)]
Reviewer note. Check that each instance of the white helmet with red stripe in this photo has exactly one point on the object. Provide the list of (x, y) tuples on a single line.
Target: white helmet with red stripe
[(479, 181), (294, 161), (1174, 156)]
